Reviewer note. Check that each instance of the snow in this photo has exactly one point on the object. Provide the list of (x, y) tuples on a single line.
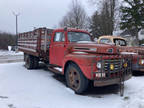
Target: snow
[(128, 53), (22, 88), (135, 93), (10, 56), (5, 53), (59, 69), (141, 34)]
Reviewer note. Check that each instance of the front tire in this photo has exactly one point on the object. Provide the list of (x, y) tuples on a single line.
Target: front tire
[(75, 79)]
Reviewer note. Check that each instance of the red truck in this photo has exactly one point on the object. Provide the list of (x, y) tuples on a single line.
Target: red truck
[(72, 53), (136, 52)]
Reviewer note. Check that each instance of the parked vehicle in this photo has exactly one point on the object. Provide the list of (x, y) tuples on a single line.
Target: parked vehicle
[(72, 53), (136, 52)]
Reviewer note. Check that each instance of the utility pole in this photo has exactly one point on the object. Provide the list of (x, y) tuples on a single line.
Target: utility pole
[(16, 15)]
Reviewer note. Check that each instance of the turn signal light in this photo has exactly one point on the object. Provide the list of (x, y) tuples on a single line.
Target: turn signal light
[(111, 67), (125, 65)]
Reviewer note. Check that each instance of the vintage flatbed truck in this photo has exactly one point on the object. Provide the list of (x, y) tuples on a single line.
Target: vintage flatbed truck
[(72, 53), (136, 52)]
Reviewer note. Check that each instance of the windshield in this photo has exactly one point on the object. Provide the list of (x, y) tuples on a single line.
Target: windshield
[(78, 36), (120, 42), (105, 41)]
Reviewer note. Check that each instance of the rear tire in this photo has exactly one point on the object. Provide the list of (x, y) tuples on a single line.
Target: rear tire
[(75, 79), (25, 57), (36, 63), (29, 62)]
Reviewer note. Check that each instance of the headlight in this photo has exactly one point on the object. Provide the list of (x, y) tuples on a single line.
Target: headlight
[(99, 65), (141, 62)]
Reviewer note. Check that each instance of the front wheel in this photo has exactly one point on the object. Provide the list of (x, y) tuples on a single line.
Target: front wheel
[(75, 79)]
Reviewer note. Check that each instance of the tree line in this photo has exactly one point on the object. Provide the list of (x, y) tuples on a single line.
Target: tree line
[(7, 39)]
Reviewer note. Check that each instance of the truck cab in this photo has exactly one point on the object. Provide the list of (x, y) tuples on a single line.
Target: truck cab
[(60, 41), (136, 52)]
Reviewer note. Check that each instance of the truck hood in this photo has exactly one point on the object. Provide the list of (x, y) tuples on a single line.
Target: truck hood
[(131, 50), (92, 47)]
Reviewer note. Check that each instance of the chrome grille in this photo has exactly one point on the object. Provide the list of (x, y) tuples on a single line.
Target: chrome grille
[(118, 71), (116, 63)]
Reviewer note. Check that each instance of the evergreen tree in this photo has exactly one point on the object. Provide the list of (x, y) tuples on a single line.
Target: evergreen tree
[(132, 16), (96, 25), (104, 21)]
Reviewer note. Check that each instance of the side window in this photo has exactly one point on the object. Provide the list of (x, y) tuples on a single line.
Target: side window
[(59, 37), (104, 40), (120, 42), (62, 37)]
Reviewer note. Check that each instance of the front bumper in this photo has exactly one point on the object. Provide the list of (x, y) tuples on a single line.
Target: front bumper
[(100, 83), (105, 76)]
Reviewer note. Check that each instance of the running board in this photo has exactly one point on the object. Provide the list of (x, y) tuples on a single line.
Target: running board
[(55, 69)]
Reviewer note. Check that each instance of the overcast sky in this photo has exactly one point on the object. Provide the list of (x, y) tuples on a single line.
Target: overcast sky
[(34, 13)]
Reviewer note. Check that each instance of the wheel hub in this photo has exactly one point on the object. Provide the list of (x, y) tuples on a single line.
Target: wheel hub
[(74, 79)]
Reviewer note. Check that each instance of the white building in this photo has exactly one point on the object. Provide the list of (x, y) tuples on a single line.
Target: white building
[(141, 34)]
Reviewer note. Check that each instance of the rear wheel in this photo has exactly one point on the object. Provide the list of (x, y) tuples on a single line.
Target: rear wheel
[(25, 57), (29, 62), (75, 79), (36, 63)]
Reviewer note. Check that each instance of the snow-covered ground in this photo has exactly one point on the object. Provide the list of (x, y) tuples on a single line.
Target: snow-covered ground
[(10, 56), (22, 88), (6, 53)]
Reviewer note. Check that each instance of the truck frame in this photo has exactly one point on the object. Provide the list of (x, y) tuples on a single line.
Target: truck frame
[(71, 52)]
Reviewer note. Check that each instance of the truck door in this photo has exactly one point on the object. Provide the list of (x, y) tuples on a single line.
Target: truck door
[(58, 48)]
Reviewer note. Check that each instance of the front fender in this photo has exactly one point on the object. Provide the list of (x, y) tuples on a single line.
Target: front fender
[(83, 61)]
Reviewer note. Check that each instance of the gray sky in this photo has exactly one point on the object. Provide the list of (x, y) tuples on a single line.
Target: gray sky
[(35, 13)]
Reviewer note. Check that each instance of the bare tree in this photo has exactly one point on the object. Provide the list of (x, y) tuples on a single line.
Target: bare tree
[(96, 25), (76, 17)]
